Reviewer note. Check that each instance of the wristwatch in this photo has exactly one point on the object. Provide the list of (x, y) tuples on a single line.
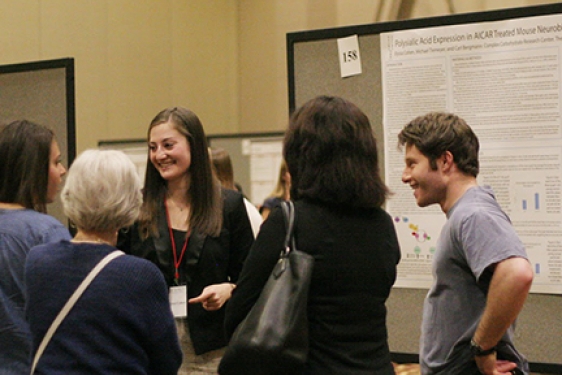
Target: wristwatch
[(477, 350)]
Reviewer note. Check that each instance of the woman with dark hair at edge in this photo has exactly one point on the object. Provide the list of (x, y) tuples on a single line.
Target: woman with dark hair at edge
[(30, 175)]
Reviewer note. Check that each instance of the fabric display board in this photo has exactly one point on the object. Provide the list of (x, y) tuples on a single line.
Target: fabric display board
[(500, 71)]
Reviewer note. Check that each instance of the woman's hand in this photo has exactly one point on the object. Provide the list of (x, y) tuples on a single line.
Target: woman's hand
[(214, 296)]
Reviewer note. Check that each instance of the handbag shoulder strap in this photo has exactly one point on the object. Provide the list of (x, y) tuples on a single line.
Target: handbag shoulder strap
[(289, 214), (70, 303)]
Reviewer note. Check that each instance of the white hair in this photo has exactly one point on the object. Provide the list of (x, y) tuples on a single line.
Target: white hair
[(102, 191)]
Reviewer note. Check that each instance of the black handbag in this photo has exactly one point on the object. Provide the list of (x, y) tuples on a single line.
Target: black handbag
[(273, 338)]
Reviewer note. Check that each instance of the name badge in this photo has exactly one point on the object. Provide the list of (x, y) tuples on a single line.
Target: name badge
[(178, 301)]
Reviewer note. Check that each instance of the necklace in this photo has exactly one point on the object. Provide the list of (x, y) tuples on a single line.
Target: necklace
[(177, 205)]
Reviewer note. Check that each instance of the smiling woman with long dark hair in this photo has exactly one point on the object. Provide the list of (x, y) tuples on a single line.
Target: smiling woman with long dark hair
[(197, 233)]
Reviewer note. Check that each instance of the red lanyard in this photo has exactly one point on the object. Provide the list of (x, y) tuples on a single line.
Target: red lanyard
[(177, 261)]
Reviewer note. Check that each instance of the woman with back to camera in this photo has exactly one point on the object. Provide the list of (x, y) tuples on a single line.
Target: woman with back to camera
[(196, 232), (30, 175), (122, 323), (338, 193)]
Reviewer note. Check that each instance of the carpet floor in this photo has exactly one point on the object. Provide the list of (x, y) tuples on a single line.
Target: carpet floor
[(406, 369)]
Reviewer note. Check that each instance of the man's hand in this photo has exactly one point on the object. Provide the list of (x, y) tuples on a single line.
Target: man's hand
[(488, 365)]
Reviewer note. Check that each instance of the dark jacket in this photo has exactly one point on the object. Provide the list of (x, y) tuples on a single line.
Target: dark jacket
[(356, 252), (208, 260)]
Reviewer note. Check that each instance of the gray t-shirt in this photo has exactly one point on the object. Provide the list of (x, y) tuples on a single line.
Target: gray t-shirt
[(476, 235)]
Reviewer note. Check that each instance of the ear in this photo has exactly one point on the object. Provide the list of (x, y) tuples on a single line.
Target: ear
[(447, 161)]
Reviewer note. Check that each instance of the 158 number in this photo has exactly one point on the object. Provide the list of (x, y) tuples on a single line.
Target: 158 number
[(349, 56)]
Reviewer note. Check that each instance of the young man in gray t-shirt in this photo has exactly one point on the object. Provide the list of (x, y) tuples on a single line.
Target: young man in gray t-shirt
[(481, 272)]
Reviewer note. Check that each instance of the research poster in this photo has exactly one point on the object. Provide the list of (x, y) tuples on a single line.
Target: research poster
[(504, 79)]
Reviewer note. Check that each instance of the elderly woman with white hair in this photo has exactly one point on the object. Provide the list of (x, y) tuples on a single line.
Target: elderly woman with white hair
[(122, 322)]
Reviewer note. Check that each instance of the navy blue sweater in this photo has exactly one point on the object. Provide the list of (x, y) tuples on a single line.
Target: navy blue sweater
[(122, 324)]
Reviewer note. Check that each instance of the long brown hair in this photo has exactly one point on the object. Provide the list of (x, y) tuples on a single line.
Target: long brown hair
[(25, 152), (203, 195)]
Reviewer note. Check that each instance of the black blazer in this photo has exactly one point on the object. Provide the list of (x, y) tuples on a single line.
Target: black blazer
[(207, 260)]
